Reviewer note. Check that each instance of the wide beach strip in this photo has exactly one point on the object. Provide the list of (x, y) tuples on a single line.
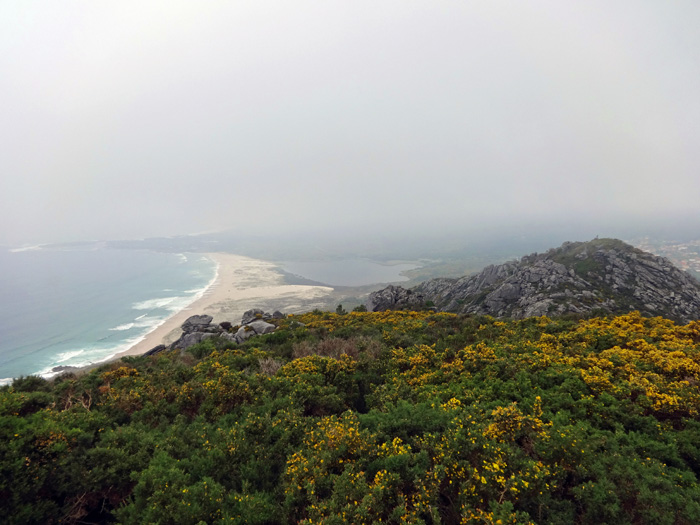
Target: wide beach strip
[(241, 283)]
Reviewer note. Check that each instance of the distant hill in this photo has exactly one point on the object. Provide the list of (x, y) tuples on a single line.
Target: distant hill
[(596, 277)]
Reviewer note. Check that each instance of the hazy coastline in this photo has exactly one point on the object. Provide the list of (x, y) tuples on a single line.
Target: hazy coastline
[(154, 314), (240, 283)]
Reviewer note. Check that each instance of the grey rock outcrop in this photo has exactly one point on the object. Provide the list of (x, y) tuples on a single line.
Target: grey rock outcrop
[(192, 338), (599, 276), (195, 329), (257, 327), (261, 327), (251, 315), (199, 328), (196, 323), (156, 350), (393, 297), (64, 368)]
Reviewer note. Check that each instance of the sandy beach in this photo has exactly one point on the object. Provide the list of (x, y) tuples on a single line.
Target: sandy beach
[(242, 283)]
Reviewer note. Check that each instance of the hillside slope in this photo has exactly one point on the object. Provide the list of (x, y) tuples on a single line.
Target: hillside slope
[(391, 417), (599, 276)]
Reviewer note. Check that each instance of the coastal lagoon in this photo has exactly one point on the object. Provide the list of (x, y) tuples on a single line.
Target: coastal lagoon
[(75, 306), (348, 272)]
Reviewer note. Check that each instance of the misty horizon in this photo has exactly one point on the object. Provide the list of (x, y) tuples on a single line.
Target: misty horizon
[(128, 121)]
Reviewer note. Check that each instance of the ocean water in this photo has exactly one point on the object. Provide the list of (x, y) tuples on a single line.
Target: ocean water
[(77, 306)]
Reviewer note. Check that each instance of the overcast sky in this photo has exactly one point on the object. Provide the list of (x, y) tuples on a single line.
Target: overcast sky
[(132, 119)]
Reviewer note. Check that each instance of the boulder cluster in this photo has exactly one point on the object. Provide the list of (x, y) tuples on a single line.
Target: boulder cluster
[(392, 297), (199, 327), (600, 276)]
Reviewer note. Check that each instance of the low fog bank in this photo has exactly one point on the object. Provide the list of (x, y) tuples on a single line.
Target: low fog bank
[(493, 241)]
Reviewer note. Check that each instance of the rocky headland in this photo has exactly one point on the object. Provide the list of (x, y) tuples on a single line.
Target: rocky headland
[(602, 276)]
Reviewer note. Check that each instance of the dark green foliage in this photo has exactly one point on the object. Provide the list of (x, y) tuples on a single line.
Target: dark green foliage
[(30, 384), (360, 417)]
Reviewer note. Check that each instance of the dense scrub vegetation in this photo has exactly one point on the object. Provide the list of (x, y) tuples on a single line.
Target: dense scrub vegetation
[(389, 417)]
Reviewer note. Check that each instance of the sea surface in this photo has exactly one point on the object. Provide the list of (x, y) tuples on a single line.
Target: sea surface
[(81, 305)]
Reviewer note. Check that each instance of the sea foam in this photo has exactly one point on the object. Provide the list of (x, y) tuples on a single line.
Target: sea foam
[(86, 333), (65, 356), (154, 304), (122, 327)]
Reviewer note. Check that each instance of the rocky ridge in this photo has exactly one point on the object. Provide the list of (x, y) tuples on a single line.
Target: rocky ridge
[(600, 276)]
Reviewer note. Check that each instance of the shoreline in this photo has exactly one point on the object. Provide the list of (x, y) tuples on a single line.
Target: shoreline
[(241, 283), (238, 284), (161, 331)]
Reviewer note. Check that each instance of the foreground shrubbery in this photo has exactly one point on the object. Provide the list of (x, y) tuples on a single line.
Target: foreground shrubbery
[(371, 417)]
